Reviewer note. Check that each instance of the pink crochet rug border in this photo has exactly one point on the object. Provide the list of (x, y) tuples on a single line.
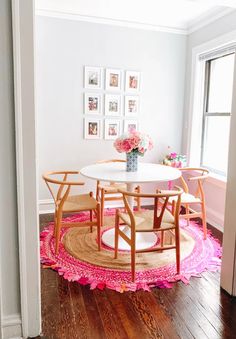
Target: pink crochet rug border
[(205, 256)]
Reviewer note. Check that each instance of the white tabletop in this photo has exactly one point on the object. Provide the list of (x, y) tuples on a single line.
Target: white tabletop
[(116, 172)]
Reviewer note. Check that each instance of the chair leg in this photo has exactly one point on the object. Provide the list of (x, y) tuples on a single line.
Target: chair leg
[(99, 225), (116, 233), (102, 206), (133, 251), (173, 207), (133, 263), (177, 244), (187, 212), (55, 224), (91, 219), (97, 194), (58, 231), (204, 221), (138, 199), (162, 239)]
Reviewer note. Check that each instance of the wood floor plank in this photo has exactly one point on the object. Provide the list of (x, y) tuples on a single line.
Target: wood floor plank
[(95, 322), (79, 311), (66, 313), (112, 323), (50, 304), (177, 297), (176, 317), (129, 317), (159, 319)]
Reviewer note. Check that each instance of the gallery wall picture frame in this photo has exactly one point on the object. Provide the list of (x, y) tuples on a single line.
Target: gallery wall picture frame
[(132, 81), (130, 125), (93, 77), (92, 128), (112, 129), (92, 103), (113, 79), (112, 104), (131, 105)]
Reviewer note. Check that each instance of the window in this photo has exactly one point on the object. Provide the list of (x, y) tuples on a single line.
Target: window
[(218, 86)]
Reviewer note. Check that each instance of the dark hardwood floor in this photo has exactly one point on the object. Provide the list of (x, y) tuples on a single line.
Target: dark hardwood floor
[(198, 310)]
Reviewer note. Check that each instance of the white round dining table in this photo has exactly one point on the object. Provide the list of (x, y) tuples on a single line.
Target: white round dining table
[(116, 172)]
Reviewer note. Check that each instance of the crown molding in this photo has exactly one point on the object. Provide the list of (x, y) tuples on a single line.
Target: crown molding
[(108, 21), (196, 24), (208, 19)]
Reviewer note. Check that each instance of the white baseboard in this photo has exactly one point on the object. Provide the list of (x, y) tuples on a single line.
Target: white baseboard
[(11, 326), (46, 206), (215, 219)]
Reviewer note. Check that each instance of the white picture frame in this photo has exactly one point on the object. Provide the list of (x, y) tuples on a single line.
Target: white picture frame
[(92, 128), (93, 77), (112, 129), (113, 79), (131, 105), (130, 124), (92, 103), (112, 104), (132, 81)]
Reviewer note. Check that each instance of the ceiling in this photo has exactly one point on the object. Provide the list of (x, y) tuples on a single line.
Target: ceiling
[(179, 16)]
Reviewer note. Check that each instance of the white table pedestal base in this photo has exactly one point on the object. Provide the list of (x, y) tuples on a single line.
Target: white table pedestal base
[(143, 240)]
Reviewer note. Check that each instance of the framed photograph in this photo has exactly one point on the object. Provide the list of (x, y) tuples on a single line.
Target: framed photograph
[(93, 77), (112, 129), (113, 79), (92, 103), (131, 105), (112, 104), (132, 81), (92, 128), (130, 125)]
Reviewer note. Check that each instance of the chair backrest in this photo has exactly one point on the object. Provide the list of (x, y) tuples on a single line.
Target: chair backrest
[(203, 173), (60, 188), (160, 201)]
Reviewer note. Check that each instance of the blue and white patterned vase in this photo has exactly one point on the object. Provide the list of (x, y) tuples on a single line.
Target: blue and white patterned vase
[(132, 162)]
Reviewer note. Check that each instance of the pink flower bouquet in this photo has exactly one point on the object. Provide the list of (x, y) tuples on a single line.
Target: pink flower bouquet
[(133, 141), (175, 160)]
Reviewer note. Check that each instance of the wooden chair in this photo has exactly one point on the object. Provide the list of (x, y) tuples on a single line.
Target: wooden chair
[(66, 203), (109, 191), (162, 221), (198, 198)]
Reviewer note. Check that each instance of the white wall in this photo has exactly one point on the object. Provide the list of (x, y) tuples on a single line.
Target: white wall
[(215, 191), (63, 47), (9, 260), (228, 271)]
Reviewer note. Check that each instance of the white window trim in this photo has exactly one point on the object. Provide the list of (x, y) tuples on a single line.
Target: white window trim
[(196, 100)]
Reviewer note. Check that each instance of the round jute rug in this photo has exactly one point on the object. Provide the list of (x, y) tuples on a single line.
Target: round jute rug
[(79, 258)]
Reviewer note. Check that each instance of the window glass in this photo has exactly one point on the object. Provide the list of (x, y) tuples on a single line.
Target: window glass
[(221, 84), (216, 143)]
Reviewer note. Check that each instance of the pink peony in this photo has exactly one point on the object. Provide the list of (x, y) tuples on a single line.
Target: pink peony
[(133, 141), (173, 155)]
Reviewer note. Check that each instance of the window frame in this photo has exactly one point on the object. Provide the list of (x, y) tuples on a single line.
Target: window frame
[(206, 113)]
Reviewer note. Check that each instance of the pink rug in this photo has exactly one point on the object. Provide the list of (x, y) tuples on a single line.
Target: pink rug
[(205, 256)]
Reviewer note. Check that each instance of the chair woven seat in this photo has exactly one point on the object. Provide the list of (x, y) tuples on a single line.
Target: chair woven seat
[(186, 198), (81, 202), (168, 220), (113, 187)]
